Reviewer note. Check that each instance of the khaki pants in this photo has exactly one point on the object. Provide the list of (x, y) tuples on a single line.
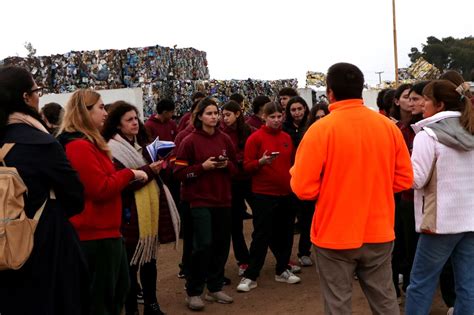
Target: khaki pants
[(371, 263)]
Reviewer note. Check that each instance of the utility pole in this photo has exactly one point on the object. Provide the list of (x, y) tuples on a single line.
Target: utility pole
[(380, 77), (395, 50)]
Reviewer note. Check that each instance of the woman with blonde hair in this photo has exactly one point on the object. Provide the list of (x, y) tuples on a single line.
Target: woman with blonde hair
[(98, 225)]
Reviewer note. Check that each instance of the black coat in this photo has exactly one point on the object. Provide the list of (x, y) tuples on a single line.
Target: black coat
[(54, 280)]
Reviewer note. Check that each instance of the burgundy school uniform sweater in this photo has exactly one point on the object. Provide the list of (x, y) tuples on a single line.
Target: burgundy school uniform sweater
[(177, 141), (269, 179), (102, 215), (232, 133), (202, 188), (183, 134), (166, 131), (409, 136), (184, 122), (254, 121)]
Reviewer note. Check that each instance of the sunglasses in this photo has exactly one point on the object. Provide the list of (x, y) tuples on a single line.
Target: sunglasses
[(38, 90)]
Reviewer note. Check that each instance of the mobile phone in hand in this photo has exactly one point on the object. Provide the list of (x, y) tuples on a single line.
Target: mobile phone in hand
[(221, 158), (275, 153)]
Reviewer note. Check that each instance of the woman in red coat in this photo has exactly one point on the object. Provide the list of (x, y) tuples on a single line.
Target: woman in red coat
[(98, 225)]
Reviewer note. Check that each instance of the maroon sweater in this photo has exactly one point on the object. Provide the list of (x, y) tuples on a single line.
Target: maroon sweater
[(202, 188), (269, 179), (232, 133), (184, 122), (409, 136), (166, 131), (254, 121)]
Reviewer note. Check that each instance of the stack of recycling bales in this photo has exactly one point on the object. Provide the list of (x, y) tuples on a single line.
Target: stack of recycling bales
[(159, 71)]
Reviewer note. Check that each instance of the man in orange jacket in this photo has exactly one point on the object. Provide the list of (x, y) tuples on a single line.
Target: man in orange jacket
[(352, 161)]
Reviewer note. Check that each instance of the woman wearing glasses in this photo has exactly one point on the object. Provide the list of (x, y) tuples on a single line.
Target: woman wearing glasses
[(98, 225), (54, 279)]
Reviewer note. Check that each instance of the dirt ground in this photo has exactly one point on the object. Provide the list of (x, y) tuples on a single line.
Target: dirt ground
[(269, 297)]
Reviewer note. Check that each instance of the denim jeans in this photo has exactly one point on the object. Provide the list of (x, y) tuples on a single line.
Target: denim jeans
[(431, 254)]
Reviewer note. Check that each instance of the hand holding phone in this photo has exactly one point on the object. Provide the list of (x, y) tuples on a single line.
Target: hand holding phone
[(221, 161)]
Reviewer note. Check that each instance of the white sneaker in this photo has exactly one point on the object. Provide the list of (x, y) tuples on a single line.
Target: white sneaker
[(242, 269), (450, 311), (246, 285), (305, 261), (288, 277), (195, 303), (294, 267), (220, 297)]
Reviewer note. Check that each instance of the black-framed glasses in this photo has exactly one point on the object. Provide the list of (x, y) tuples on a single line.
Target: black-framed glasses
[(38, 90)]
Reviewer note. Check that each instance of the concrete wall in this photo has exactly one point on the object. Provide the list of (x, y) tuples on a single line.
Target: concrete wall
[(369, 96), (133, 96)]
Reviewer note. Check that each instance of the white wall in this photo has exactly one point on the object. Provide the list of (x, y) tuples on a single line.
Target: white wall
[(369, 96), (307, 95), (133, 96)]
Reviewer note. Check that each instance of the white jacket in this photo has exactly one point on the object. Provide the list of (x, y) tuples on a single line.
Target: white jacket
[(443, 166)]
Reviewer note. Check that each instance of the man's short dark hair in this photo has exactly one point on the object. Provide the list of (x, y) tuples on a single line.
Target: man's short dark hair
[(165, 105), (259, 102), (345, 80), (197, 95), (287, 91), (52, 112), (236, 97)]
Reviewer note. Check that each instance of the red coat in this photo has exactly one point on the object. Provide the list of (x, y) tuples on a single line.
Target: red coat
[(102, 215)]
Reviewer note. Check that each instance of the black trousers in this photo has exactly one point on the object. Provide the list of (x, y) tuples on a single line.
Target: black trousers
[(273, 223), (211, 243), (148, 276), (187, 230), (406, 240), (304, 212), (241, 190)]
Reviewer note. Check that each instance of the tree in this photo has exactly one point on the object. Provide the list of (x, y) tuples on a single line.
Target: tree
[(31, 50), (448, 54)]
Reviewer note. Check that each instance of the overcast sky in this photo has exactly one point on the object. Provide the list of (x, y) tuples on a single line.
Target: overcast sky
[(243, 39)]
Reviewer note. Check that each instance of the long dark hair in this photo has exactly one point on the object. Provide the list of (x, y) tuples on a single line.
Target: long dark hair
[(199, 110), (395, 110), (14, 82), (243, 130), (293, 100), (116, 112)]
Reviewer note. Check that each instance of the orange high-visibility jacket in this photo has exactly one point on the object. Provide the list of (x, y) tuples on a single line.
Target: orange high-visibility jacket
[(352, 162)]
